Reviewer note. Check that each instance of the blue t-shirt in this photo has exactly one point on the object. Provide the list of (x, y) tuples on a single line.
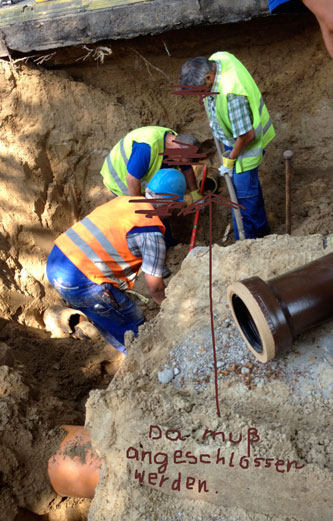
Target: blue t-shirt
[(295, 6), (138, 163), (273, 4)]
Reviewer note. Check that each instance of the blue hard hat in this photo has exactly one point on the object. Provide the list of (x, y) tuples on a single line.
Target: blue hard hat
[(169, 182)]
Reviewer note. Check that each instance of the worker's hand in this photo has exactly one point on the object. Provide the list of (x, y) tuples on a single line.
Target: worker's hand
[(156, 287), (225, 171), (196, 195), (227, 161)]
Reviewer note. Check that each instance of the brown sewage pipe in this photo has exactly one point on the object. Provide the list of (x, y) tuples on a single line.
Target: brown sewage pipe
[(271, 314), (74, 468)]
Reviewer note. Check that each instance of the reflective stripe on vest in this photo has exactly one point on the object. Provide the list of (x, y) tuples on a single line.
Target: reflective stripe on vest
[(261, 106), (80, 243), (259, 127), (106, 244), (122, 151), (122, 187)]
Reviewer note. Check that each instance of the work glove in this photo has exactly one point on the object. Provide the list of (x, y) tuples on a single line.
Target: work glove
[(196, 195), (228, 164), (225, 171), (227, 161)]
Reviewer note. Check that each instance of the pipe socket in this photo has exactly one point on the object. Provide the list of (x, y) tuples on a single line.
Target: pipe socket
[(211, 181), (61, 322), (269, 315), (74, 467)]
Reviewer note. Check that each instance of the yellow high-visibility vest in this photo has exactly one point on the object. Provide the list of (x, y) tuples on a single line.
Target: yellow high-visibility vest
[(114, 169), (236, 79)]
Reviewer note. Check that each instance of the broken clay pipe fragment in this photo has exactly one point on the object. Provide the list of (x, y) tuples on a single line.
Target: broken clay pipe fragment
[(61, 321), (74, 468), (271, 314)]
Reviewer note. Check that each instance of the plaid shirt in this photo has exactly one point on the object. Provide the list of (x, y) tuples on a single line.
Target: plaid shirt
[(239, 111), (151, 247)]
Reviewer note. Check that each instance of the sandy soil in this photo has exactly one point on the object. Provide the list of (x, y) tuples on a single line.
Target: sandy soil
[(57, 125), (288, 401)]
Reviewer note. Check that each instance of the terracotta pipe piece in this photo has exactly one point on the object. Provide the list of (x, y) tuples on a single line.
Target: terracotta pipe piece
[(74, 468), (271, 314), (61, 320)]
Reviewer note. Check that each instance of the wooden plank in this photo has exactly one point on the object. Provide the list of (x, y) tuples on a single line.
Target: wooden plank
[(32, 11), (91, 21)]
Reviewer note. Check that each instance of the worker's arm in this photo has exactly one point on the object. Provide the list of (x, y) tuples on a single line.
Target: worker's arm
[(241, 143), (152, 249), (191, 181), (155, 287), (241, 120), (137, 167), (133, 184), (323, 10)]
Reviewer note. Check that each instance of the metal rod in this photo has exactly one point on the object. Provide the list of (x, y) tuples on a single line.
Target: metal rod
[(232, 194), (287, 155)]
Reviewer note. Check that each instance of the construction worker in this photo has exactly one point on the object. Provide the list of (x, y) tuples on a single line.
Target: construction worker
[(240, 120), (139, 155), (93, 263), (322, 9)]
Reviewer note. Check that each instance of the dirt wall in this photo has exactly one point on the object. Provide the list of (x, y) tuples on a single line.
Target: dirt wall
[(57, 125)]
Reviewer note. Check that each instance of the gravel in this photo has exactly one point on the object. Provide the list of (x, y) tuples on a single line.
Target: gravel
[(166, 375), (304, 368)]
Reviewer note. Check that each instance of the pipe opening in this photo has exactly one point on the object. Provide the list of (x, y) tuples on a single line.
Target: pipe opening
[(74, 321), (247, 324), (210, 185)]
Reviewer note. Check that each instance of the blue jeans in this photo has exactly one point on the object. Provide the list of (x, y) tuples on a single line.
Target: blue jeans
[(110, 309), (249, 194)]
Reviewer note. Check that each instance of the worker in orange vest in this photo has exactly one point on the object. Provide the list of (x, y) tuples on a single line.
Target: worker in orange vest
[(93, 263)]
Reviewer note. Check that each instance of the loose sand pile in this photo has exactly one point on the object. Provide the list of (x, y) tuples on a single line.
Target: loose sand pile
[(287, 403)]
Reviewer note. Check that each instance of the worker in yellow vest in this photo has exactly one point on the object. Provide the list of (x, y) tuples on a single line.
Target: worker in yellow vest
[(140, 154), (240, 120), (95, 262)]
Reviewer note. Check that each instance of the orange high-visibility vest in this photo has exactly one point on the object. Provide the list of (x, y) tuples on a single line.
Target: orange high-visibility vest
[(97, 245)]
